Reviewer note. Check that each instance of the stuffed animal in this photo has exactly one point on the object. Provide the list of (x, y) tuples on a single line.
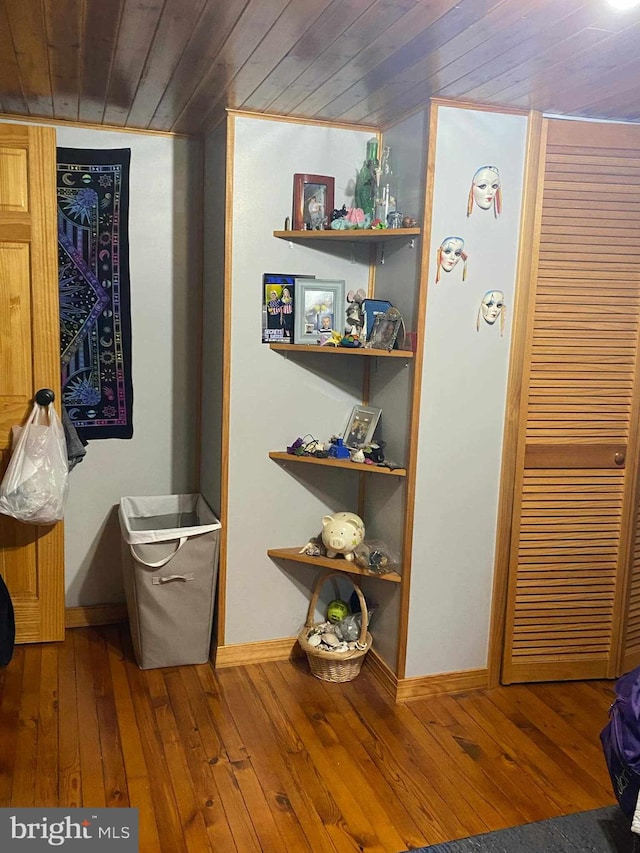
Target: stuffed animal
[(355, 311)]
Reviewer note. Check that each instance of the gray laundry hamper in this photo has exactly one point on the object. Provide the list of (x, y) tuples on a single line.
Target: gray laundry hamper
[(170, 564)]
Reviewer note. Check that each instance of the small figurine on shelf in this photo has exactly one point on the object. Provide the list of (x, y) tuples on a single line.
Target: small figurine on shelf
[(314, 548), (355, 311), (332, 341), (357, 218), (341, 533), (339, 213), (350, 340), (374, 452), (337, 450)]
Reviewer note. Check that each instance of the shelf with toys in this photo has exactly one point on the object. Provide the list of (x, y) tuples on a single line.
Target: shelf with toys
[(361, 467), (332, 563), (364, 351), (379, 504), (342, 545), (354, 235)]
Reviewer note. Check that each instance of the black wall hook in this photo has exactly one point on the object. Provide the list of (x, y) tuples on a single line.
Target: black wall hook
[(45, 396)]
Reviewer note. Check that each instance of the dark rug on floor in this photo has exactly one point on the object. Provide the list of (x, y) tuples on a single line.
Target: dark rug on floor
[(604, 830)]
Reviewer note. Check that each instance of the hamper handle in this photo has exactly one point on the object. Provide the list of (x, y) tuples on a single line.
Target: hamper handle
[(160, 579), (164, 561), (363, 604)]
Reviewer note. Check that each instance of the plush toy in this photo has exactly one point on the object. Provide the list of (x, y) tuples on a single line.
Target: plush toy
[(341, 533), (355, 311), (333, 340)]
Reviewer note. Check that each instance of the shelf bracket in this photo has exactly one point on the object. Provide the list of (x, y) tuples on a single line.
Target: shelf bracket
[(353, 253), (382, 253), (412, 243)]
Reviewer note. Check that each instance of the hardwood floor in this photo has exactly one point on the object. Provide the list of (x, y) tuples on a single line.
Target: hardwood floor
[(269, 758)]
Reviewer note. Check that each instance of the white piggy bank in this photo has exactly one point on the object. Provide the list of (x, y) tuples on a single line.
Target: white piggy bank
[(341, 533)]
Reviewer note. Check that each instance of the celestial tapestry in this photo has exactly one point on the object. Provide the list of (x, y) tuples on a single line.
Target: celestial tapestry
[(93, 268)]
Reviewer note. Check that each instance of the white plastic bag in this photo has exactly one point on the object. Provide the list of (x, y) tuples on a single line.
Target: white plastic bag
[(35, 485)]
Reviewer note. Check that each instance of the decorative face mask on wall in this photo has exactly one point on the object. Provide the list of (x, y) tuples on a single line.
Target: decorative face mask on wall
[(486, 191), (492, 307), (449, 253)]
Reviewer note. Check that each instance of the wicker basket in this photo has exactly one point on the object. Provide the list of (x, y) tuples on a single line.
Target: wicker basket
[(335, 666)]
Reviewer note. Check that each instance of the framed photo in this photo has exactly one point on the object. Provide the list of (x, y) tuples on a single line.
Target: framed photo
[(361, 427), (278, 307), (385, 330), (312, 202), (320, 307), (373, 307)]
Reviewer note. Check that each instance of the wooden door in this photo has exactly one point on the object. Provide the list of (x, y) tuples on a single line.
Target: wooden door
[(31, 557), (574, 508)]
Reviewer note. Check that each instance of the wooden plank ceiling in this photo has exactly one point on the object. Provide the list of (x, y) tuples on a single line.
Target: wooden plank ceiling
[(175, 65)]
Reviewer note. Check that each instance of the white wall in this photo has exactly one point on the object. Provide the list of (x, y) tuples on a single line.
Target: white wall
[(164, 235), (463, 397), (275, 399)]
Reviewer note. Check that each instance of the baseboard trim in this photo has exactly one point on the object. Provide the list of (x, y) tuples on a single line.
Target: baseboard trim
[(94, 614), (400, 689), (446, 682), (381, 670), (266, 651)]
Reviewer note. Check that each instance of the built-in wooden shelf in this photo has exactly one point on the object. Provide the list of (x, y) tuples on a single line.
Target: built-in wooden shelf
[(356, 235), (336, 463), (378, 353), (337, 564)]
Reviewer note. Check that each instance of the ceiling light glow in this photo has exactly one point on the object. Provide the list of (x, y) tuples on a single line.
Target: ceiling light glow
[(623, 5)]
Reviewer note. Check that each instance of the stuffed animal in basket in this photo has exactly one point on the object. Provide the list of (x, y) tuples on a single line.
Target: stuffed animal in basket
[(341, 533)]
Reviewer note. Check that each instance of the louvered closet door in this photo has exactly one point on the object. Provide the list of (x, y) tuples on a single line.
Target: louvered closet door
[(575, 511)]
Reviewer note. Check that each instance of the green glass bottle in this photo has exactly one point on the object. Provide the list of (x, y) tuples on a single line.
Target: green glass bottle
[(365, 197)]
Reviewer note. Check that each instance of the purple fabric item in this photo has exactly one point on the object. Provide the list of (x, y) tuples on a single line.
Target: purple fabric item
[(621, 741)]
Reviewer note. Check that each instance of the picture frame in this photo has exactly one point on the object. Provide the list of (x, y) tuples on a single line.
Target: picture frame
[(312, 202), (278, 307), (361, 426), (386, 328), (371, 308), (320, 307)]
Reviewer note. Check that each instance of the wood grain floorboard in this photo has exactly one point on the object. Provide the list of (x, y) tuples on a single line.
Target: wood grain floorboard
[(26, 733), (267, 758)]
